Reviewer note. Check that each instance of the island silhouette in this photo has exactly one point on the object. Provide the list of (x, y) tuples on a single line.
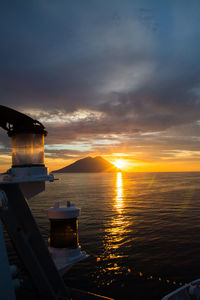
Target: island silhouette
[(89, 165)]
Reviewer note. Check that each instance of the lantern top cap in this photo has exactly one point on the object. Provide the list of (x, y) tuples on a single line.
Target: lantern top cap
[(15, 122), (68, 211)]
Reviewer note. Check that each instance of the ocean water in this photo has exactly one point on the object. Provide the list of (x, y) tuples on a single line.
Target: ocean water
[(141, 230)]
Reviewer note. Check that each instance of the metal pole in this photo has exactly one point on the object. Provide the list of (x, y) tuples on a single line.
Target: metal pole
[(6, 287)]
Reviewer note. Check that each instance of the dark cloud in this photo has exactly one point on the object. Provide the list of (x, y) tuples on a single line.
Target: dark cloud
[(136, 64)]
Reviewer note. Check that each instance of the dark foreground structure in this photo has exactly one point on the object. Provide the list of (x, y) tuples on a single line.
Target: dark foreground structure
[(26, 178)]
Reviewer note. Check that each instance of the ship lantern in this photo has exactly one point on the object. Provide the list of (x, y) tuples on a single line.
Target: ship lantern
[(27, 149), (27, 137), (28, 144), (64, 246), (63, 225)]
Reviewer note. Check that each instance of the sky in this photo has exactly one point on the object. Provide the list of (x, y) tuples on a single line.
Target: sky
[(120, 79)]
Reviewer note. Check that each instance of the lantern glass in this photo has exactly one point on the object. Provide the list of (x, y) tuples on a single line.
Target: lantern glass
[(64, 233), (27, 149)]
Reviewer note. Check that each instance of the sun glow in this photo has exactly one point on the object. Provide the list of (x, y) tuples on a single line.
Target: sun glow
[(119, 163)]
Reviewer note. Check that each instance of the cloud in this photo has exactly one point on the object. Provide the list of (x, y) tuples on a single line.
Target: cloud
[(101, 69)]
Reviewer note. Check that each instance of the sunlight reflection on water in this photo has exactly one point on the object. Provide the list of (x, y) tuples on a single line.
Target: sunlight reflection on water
[(119, 203), (116, 233)]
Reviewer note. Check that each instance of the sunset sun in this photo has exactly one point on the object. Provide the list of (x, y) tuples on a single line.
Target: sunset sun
[(119, 163)]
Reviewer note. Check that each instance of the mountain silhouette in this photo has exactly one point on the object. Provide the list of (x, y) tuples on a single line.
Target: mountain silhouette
[(89, 165)]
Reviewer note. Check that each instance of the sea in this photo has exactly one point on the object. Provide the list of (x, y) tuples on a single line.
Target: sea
[(141, 231)]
